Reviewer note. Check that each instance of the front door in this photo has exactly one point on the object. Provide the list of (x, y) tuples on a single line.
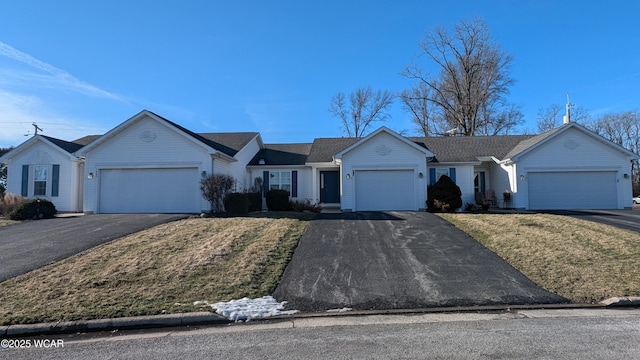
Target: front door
[(330, 187)]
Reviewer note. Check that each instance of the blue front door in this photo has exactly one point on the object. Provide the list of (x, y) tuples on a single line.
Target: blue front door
[(330, 187)]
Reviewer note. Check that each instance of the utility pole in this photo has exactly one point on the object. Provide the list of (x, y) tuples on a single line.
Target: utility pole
[(567, 115), (36, 127)]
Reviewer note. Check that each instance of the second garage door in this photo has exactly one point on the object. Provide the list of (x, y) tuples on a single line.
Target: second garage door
[(150, 191), (572, 190), (385, 190)]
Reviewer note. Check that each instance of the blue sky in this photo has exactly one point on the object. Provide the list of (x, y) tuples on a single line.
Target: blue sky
[(82, 67)]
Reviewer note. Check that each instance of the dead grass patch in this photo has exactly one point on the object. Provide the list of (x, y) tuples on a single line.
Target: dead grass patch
[(160, 270), (583, 261), (5, 222)]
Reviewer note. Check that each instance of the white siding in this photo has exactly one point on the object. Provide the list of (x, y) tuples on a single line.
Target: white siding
[(573, 150), (383, 152), (146, 143), (40, 153), (239, 170)]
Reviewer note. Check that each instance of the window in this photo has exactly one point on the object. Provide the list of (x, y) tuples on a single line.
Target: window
[(40, 180), (440, 172), (280, 180)]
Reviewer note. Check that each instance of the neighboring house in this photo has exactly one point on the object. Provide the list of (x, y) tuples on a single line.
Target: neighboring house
[(150, 164)]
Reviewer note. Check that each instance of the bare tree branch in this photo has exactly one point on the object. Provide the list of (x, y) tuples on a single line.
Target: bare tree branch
[(365, 107), (472, 81)]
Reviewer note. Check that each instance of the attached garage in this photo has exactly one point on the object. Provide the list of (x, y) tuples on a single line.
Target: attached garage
[(162, 190), (377, 190), (572, 190)]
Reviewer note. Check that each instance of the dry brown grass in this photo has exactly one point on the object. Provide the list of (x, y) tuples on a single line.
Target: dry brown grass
[(583, 261), (163, 269), (5, 222), (8, 202)]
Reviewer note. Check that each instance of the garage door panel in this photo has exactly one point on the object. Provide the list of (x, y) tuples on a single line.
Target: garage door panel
[(149, 191), (572, 190), (385, 190)]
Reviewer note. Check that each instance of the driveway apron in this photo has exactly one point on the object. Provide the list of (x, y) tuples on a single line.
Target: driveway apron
[(396, 260), (33, 244)]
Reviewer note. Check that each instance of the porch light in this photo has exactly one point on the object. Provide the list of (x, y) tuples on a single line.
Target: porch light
[(626, 176), (348, 176), (90, 176), (421, 175), (522, 177), (203, 174)]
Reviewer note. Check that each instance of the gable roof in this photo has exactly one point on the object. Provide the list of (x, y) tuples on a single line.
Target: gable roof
[(282, 154), (66, 147), (85, 140), (226, 144), (384, 129), (535, 141)]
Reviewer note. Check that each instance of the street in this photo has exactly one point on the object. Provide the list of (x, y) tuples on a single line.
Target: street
[(522, 334)]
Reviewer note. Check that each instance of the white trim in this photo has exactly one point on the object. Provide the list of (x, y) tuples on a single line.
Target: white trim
[(403, 139)]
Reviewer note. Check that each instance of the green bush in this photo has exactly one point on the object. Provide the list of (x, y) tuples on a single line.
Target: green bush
[(255, 201), (236, 203), (444, 196), (33, 210), (278, 200)]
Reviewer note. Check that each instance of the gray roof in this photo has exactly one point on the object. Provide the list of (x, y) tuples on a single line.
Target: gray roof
[(67, 146), (469, 148), (228, 143), (85, 140), (282, 154), (531, 141), (323, 149)]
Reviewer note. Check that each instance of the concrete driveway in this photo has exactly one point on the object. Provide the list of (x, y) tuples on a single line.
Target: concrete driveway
[(33, 244), (398, 260)]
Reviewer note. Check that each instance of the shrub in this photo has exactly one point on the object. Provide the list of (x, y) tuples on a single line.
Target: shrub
[(33, 209), (237, 203), (277, 200), (255, 201), (444, 196), (9, 202), (214, 188), (305, 205)]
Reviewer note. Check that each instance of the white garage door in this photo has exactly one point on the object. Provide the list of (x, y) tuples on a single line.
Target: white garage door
[(150, 191), (385, 190), (573, 190)]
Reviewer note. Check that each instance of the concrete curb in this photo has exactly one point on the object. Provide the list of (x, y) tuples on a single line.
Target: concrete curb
[(207, 318), (127, 323)]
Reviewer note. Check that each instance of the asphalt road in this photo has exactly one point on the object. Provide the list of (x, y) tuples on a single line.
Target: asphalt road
[(398, 260), (33, 244), (534, 334)]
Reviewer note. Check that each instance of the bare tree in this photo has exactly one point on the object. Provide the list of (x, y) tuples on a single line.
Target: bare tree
[(551, 116), (3, 172), (365, 107), (422, 111), (472, 81), (624, 130)]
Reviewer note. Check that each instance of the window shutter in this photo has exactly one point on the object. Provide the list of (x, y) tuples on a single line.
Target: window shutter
[(432, 176), (25, 180), (55, 180), (294, 183), (265, 182), (452, 174)]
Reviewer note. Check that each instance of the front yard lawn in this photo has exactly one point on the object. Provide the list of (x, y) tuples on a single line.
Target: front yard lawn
[(160, 270), (583, 261)]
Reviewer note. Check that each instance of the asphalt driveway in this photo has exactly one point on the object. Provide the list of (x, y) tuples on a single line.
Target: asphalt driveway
[(33, 244), (398, 260), (624, 219)]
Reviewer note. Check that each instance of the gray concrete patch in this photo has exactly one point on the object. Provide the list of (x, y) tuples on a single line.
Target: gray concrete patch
[(33, 244), (398, 260)]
